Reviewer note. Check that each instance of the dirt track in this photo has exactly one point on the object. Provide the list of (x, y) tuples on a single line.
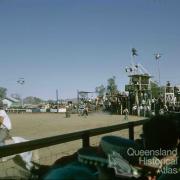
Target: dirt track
[(32, 126)]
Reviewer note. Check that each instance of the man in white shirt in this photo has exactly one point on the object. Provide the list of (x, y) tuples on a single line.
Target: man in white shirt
[(5, 123)]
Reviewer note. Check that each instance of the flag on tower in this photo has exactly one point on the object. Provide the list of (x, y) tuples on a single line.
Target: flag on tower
[(134, 52), (157, 56)]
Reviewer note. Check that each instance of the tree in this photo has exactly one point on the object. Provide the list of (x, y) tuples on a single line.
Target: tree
[(155, 89), (112, 87), (32, 100), (100, 90), (3, 92)]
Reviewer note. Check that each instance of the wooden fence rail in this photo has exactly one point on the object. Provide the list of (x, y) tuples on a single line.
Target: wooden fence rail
[(59, 139)]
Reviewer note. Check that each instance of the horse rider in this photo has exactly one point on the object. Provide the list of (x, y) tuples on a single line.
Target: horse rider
[(5, 124)]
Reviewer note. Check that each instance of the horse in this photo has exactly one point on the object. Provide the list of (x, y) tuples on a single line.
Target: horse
[(26, 158)]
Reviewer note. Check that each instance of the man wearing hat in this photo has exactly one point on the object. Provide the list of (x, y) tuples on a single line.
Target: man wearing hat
[(5, 124)]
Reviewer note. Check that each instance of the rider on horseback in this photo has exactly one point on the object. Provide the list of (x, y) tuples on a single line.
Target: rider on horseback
[(5, 124)]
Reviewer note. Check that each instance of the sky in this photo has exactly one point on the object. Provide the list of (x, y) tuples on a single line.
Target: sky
[(73, 45)]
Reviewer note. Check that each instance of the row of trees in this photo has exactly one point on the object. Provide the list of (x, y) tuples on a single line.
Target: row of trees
[(27, 100)]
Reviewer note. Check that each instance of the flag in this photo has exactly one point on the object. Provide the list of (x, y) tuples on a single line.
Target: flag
[(134, 52), (157, 56)]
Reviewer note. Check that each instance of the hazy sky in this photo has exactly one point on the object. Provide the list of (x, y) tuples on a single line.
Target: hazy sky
[(79, 44)]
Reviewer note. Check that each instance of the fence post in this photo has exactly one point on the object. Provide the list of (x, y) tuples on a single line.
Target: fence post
[(85, 140), (131, 130)]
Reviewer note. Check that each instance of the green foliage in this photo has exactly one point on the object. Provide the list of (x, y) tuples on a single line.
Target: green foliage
[(111, 86), (155, 90), (100, 90), (32, 100), (3, 92)]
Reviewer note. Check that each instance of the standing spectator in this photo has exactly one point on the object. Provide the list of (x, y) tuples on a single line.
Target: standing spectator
[(85, 111), (125, 112)]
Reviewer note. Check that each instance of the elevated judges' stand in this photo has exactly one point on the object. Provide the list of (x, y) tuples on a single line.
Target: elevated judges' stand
[(139, 89)]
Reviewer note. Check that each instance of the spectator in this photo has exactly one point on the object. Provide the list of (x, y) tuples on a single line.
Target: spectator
[(5, 124), (126, 113)]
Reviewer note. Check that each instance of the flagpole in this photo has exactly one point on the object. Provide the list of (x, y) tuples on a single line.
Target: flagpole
[(133, 64), (157, 57), (159, 73), (134, 53)]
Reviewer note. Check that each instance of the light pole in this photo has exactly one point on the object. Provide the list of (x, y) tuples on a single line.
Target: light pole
[(21, 82), (157, 57)]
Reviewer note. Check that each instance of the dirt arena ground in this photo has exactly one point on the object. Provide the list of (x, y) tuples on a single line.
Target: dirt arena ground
[(40, 125), (33, 126)]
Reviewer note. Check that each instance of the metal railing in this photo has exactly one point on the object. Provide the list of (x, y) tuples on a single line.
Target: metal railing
[(85, 135)]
